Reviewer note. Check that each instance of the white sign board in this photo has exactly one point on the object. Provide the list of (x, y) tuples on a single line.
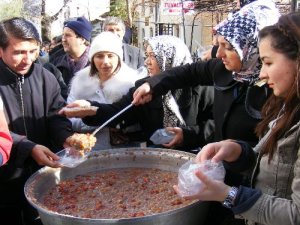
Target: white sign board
[(175, 7)]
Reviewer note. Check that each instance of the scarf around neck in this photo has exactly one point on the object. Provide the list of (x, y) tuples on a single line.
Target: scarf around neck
[(75, 66)]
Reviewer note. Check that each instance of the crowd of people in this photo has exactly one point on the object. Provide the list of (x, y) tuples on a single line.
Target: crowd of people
[(213, 108)]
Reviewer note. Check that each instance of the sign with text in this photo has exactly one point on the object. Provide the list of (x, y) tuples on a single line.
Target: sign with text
[(175, 7)]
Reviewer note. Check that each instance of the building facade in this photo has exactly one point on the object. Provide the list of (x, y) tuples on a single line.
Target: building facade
[(91, 9), (184, 19)]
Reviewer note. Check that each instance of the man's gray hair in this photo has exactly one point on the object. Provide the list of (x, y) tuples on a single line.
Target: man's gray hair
[(111, 20)]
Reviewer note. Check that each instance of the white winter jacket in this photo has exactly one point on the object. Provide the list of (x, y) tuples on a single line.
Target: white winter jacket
[(84, 86)]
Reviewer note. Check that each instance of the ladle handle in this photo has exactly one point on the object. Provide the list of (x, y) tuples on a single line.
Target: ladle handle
[(112, 118)]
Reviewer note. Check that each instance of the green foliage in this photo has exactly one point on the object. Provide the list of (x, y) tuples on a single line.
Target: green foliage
[(10, 8), (118, 8)]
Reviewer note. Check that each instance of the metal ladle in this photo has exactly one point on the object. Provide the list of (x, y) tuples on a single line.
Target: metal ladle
[(69, 160), (112, 118)]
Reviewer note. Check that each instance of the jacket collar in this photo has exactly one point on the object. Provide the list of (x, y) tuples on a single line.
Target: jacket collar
[(10, 76)]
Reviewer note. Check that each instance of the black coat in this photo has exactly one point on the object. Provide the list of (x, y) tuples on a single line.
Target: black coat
[(49, 66), (61, 63), (195, 105), (36, 120), (237, 105)]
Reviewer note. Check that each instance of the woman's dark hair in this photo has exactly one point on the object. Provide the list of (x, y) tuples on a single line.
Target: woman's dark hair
[(285, 39), (19, 28)]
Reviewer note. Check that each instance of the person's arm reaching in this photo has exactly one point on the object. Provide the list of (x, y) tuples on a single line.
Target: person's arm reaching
[(189, 75)]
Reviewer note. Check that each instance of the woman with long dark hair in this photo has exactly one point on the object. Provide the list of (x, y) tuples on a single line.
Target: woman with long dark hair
[(274, 197)]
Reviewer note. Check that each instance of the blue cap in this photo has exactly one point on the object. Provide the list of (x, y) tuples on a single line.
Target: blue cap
[(81, 26)]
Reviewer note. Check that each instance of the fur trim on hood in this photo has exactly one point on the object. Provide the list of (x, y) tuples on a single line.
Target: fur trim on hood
[(83, 86)]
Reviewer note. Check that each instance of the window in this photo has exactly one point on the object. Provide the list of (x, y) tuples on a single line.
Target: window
[(151, 32), (164, 28), (143, 33)]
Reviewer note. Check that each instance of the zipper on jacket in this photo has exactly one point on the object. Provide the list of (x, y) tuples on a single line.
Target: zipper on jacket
[(20, 83)]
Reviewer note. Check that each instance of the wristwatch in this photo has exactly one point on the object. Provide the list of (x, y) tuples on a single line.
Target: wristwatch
[(229, 200)]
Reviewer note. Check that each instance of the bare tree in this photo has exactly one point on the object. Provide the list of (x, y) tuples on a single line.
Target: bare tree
[(35, 10), (135, 4), (215, 5), (129, 14), (47, 20)]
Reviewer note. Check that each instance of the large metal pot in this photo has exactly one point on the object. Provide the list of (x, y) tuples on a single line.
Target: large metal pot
[(165, 159)]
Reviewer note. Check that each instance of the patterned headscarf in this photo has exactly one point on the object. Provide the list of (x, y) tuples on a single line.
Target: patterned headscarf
[(241, 31), (245, 2), (169, 51)]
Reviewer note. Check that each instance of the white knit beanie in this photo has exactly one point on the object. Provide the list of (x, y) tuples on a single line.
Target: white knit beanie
[(108, 42)]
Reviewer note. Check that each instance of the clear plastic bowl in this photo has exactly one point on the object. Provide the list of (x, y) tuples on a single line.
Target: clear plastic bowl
[(70, 157)]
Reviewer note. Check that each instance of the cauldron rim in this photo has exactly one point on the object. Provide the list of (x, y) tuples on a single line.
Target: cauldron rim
[(110, 153)]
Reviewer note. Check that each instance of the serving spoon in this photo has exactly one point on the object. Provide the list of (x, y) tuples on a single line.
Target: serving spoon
[(70, 159), (111, 119)]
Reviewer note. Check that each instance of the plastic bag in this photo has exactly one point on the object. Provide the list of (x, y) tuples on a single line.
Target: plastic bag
[(189, 184), (70, 157), (161, 136)]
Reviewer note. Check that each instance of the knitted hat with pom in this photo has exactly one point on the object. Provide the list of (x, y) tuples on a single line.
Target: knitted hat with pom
[(106, 42)]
